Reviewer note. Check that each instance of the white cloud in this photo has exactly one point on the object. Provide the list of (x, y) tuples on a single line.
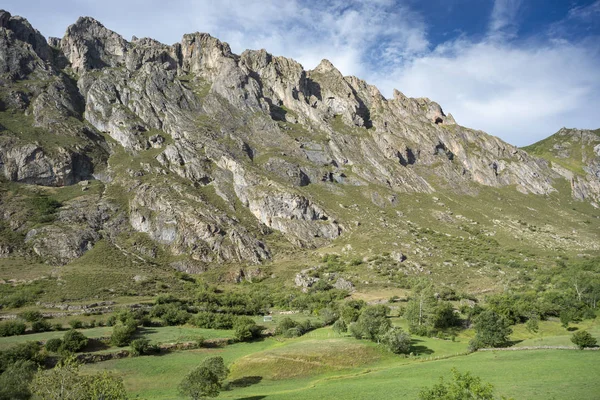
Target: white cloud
[(503, 21), (521, 94)]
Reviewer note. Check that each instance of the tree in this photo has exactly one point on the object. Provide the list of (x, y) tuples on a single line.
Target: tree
[(64, 382), (462, 387), (121, 335), (142, 346), (532, 324), (217, 366), (246, 329), (443, 316), (491, 330), (53, 345), (566, 316), (372, 323), (420, 308), (583, 339), (73, 341), (340, 326), (396, 340), (206, 380), (14, 382)]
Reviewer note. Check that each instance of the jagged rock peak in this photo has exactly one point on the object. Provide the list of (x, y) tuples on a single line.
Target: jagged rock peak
[(87, 44), (326, 66), (23, 31)]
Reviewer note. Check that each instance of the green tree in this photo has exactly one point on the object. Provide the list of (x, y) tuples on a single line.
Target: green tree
[(462, 387), (340, 326), (420, 308), (532, 324), (64, 382), (14, 382), (206, 380), (396, 340), (244, 329), (491, 330), (122, 333), (31, 316), (73, 341), (566, 316), (443, 316), (583, 339), (142, 346), (372, 323), (53, 345)]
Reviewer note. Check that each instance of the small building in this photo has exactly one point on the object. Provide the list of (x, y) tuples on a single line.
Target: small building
[(267, 318)]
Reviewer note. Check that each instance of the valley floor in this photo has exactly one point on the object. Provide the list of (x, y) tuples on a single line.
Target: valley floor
[(323, 364)]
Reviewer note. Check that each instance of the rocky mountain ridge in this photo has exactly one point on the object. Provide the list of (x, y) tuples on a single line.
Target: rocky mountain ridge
[(210, 154)]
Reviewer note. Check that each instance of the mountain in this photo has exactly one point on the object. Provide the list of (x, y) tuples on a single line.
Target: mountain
[(119, 153)]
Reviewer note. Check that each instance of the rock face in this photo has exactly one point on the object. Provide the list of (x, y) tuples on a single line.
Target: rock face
[(575, 155), (212, 152)]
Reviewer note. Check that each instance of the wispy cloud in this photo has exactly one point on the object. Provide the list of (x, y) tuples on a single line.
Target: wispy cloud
[(503, 21)]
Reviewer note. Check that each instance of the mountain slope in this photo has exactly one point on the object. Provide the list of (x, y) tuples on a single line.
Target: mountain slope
[(575, 154), (192, 156)]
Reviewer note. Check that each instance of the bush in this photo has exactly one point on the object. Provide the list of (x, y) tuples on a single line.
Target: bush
[(463, 386), (396, 340), (142, 346), (583, 339), (371, 323), (246, 329), (206, 380), (292, 333), (31, 316), (76, 324), (121, 335), (12, 328), (340, 326), (28, 351), (73, 341), (328, 315), (53, 345), (491, 330), (284, 325), (14, 382), (41, 326)]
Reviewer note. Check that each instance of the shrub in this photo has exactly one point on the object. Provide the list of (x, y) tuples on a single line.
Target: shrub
[(583, 339), (76, 324), (246, 329), (396, 340), (142, 346), (463, 386), (121, 335), (73, 341), (340, 326), (491, 330), (12, 328), (28, 351), (31, 316), (292, 333), (14, 382), (284, 325), (328, 315), (40, 326), (53, 345), (206, 380)]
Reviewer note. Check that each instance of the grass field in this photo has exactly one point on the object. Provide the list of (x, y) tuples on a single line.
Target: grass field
[(345, 368)]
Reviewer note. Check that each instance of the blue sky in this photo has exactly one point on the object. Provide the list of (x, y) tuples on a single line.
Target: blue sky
[(518, 69)]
